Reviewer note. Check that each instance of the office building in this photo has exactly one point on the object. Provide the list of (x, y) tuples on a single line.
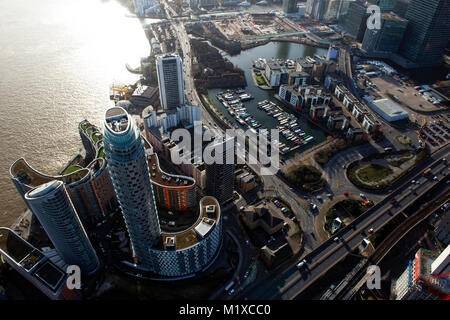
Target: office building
[(127, 165), (333, 10), (317, 9), (355, 21), (385, 5), (169, 69), (343, 8), (428, 32), (289, 6), (143, 7), (220, 176), (52, 206), (400, 7), (389, 38)]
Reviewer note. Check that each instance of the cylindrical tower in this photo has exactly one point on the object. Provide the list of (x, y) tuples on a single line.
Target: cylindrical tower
[(127, 165), (56, 213)]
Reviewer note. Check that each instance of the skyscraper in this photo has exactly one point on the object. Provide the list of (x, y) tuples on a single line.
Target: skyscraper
[(428, 32), (127, 164), (388, 38), (169, 69), (317, 9), (220, 176), (289, 6), (355, 21), (385, 5), (54, 210)]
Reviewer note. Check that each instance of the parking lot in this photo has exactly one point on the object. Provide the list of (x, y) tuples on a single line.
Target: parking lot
[(405, 93), (437, 132)]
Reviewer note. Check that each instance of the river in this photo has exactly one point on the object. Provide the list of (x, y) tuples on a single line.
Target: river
[(57, 61)]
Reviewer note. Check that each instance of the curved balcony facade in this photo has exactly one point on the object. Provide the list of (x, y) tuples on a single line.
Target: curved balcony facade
[(51, 204), (127, 165)]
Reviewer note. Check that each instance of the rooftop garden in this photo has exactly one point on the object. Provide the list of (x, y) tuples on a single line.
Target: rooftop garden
[(101, 153), (72, 169)]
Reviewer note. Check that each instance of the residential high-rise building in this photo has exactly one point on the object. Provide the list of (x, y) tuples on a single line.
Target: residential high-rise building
[(36, 266), (428, 32), (389, 38), (355, 21), (56, 213), (424, 278), (220, 176), (127, 165), (289, 6), (169, 69)]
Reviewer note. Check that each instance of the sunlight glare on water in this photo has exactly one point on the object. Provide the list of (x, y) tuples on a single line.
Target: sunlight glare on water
[(57, 61)]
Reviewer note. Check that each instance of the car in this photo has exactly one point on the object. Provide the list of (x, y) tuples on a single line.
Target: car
[(301, 264), (336, 239), (346, 193), (329, 195), (435, 178), (413, 182), (370, 230), (231, 292), (362, 195), (343, 167), (313, 206)]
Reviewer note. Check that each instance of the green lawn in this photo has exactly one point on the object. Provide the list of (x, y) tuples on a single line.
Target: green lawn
[(374, 173), (260, 80), (72, 169), (101, 153)]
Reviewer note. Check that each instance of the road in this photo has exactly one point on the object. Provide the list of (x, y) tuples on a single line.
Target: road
[(290, 282)]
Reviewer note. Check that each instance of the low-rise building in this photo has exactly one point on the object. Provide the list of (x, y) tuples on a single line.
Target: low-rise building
[(389, 110)]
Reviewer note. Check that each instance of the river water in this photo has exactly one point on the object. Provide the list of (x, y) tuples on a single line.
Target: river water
[(284, 50), (57, 61)]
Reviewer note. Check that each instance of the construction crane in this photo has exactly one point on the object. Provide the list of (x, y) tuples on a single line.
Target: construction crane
[(121, 92)]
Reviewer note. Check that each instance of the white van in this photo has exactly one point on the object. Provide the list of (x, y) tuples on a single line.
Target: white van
[(301, 264)]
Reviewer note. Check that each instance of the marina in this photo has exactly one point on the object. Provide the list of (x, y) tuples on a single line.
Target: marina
[(266, 118), (288, 126)]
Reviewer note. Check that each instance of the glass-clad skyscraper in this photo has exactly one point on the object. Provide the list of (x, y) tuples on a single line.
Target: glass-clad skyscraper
[(127, 165), (169, 69), (428, 31), (56, 213)]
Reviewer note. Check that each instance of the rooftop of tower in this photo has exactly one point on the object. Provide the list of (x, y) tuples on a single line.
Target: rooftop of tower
[(208, 216), (117, 119)]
